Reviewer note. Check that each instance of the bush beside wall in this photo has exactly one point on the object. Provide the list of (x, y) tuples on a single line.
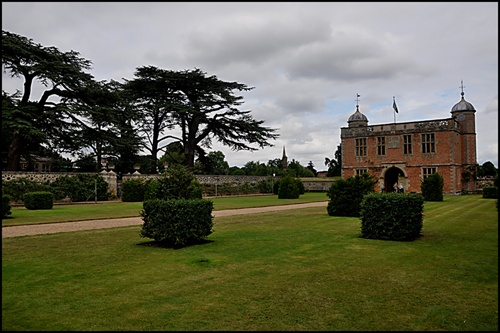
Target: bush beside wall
[(490, 192), (6, 208), (38, 200)]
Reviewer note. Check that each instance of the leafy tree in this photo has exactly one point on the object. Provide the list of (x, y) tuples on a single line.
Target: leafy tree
[(488, 169), (335, 165), (202, 107), (216, 164), (295, 169), (210, 112), (310, 166), (275, 167), (154, 98), (253, 168), (44, 121), (236, 171)]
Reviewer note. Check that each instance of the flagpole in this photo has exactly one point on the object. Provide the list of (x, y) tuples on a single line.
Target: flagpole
[(394, 107)]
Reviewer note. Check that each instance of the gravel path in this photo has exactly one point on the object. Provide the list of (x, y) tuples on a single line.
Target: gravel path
[(52, 228)]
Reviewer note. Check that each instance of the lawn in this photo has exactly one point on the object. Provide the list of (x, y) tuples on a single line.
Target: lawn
[(289, 270), (115, 209)]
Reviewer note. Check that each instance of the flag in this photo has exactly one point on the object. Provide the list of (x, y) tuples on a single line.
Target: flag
[(394, 106)]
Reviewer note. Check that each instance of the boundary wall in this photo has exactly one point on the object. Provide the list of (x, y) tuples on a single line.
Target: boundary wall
[(319, 184), (310, 184)]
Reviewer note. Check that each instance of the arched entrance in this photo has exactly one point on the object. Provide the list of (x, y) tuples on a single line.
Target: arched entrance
[(392, 176)]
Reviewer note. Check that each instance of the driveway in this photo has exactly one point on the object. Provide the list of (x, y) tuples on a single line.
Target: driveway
[(52, 228)]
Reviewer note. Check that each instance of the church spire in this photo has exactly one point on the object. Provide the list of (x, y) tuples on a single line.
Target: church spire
[(284, 160)]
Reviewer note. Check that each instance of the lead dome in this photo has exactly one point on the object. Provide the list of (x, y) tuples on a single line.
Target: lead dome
[(463, 105), (357, 116)]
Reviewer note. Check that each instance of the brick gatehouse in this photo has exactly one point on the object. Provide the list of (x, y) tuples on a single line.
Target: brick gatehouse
[(405, 153)]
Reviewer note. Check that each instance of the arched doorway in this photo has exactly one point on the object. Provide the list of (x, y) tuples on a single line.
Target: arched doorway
[(392, 175)]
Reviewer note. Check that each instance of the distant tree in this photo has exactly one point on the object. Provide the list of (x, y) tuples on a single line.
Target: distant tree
[(334, 165), (253, 168), (275, 167), (310, 166), (295, 169), (488, 169), (216, 163), (174, 154), (44, 122), (236, 171)]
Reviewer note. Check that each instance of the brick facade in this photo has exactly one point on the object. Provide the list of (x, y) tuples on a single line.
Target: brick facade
[(405, 153)]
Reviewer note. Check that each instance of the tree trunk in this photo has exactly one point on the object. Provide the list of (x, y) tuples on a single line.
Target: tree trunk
[(14, 155)]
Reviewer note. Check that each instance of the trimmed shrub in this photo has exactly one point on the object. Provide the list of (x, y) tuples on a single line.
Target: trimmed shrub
[(490, 192), (132, 190), (6, 206), (16, 188), (289, 188), (38, 200), (177, 222), (346, 195), (392, 216), (432, 187)]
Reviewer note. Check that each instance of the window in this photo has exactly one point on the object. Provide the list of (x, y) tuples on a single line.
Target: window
[(359, 172), (426, 172), (428, 143), (407, 149), (381, 146), (361, 147)]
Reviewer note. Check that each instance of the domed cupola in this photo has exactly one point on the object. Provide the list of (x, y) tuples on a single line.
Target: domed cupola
[(357, 118), (463, 105)]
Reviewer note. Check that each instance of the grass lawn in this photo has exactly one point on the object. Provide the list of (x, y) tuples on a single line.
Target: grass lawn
[(104, 210), (288, 270)]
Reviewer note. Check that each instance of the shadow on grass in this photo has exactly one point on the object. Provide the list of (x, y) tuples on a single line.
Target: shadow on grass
[(166, 245)]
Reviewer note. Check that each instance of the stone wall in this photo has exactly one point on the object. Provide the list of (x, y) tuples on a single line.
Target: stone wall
[(310, 184), (319, 184)]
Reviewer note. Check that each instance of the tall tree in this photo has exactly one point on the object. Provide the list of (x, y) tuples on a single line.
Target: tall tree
[(334, 165), (61, 73), (202, 108), (154, 97), (107, 127)]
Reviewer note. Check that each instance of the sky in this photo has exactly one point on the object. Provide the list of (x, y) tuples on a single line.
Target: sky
[(306, 61)]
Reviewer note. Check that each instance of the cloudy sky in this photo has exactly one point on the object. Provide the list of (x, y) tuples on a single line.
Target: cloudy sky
[(306, 61)]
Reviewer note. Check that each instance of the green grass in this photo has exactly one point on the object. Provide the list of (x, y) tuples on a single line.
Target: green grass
[(289, 270), (104, 210)]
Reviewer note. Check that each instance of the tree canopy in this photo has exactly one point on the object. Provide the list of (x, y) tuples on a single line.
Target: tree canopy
[(202, 108), (99, 121), (34, 123)]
